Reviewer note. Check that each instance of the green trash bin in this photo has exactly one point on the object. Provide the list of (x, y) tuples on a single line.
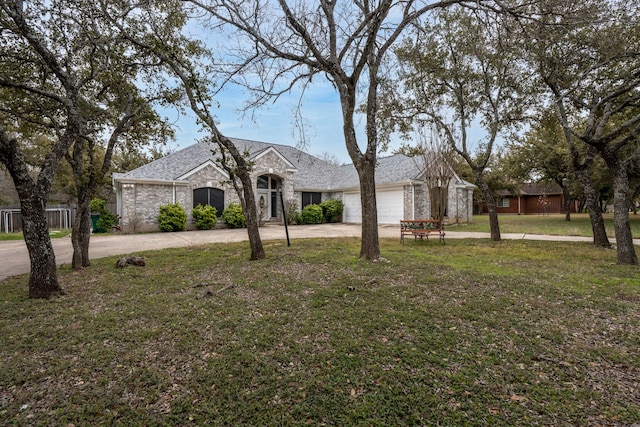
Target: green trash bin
[(94, 222)]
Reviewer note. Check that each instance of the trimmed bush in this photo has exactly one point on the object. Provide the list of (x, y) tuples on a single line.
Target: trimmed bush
[(233, 216), (172, 218), (332, 210), (204, 217), (311, 214)]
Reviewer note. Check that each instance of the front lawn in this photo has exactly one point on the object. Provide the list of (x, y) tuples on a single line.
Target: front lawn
[(54, 234), (580, 224), (468, 333)]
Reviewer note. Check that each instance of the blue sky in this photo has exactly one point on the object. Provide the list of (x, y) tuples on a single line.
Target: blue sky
[(275, 123)]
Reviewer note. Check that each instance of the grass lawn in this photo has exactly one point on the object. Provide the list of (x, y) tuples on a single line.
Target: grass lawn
[(468, 333), (54, 234), (580, 225)]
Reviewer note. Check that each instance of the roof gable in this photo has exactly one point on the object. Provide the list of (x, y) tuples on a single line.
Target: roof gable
[(198, 168), (271, 149)]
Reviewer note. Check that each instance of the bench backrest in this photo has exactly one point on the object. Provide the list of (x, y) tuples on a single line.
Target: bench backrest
[(420, 224)]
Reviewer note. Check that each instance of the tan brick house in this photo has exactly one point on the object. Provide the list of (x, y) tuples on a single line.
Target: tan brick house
[(191, 176)]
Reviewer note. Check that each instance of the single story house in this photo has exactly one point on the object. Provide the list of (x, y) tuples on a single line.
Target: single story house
[(191, 176), (532, 199)]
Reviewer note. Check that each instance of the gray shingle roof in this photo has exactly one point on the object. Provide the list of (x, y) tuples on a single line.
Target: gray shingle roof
[(312, 172)]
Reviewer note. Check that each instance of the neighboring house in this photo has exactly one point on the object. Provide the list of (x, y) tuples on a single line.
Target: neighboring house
[(191, 177), (532, 199)]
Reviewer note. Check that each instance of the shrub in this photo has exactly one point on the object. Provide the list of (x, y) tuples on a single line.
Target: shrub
[(311, 214), (98, 205), (332, 210), (172, 218), (232, 215), (107, 220), (204, 217)]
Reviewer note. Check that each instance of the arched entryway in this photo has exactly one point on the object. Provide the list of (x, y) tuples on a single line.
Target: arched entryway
[(268, 200)]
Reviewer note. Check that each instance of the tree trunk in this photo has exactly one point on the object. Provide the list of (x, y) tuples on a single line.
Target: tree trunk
[(566, 205), (624, 239), (595, 213), (251, 215), (81, 232), (246, 194), (85, 182), (43, 280), (365, 164), (370, 244), (491, 206)]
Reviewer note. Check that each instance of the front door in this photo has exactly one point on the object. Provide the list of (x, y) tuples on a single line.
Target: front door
[(268, 197)]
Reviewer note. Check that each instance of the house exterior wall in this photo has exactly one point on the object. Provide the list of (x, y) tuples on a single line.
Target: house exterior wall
[(140, 203), (459, 203), (532, 205), (208, 177)]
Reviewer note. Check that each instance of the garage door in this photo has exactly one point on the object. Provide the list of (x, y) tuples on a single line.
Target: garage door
[(352, 209), (390, 207)]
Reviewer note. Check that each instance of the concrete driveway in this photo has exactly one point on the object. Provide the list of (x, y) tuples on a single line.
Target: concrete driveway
[(15, 258)]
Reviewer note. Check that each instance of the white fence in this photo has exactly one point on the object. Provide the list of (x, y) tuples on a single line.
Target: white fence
[(57, 218)]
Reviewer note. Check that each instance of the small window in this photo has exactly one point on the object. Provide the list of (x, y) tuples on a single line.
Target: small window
[(263, 181), (503, 202), (310, 198)]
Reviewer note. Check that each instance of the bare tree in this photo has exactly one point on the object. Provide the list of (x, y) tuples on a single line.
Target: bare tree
[(283, 43), (433, 155)]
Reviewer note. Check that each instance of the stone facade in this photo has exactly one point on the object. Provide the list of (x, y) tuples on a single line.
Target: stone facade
[(417, 203), (140, 202), (279, 173)]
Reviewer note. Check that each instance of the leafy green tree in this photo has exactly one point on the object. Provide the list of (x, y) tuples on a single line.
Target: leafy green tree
[(586, 53), (40, 96), (190, 68), (541, 155), (458, 74)]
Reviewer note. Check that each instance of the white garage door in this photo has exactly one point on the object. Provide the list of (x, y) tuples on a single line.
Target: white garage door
[(352, 209), (390, 207)]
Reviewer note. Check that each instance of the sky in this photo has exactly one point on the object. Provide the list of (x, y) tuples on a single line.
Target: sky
[(275, 123)]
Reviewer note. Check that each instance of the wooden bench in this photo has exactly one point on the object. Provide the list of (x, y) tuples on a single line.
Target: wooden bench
[(421, 228)]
